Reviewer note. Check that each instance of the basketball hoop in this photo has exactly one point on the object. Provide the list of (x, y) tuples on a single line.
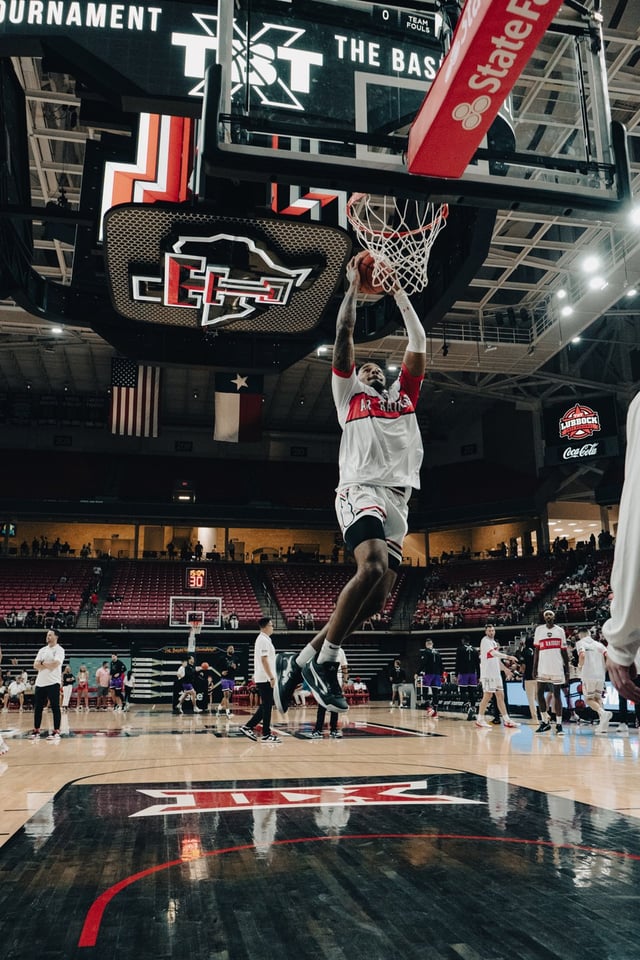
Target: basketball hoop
[(195, 619), (400, 235)]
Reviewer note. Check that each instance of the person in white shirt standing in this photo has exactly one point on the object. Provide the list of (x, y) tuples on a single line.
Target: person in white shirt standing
[(493, 663), (591, 664), (550, 668), (264, 670), (48, 665)]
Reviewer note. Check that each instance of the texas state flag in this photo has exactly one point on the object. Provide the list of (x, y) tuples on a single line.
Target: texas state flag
[(238, 407)]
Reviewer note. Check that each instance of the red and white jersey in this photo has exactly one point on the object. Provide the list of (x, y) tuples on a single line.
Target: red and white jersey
[(550, 641), (489, 659), (381, 443)]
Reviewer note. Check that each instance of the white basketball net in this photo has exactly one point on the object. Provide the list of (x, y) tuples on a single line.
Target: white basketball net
[(399, 234)]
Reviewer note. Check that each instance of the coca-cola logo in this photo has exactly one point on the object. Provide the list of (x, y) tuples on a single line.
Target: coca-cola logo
[(586, 450), (578, 423)]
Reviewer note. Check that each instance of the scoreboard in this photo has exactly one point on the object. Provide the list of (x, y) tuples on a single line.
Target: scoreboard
[(195, 578)]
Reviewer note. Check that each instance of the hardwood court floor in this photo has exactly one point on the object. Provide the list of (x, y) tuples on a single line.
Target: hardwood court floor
[(151, 835)]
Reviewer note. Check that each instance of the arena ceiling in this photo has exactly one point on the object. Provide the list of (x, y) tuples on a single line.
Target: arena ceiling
[(530, 257)]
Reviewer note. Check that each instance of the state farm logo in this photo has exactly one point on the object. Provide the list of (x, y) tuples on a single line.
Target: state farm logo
[(470, 114), (224, 277), (578, 423)]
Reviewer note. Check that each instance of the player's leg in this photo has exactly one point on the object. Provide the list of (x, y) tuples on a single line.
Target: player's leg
[(484, 703), (504, 713), (542, 706)]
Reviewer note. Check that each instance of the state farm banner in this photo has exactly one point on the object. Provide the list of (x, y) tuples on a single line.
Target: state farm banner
[(492, 44), (576, 432)]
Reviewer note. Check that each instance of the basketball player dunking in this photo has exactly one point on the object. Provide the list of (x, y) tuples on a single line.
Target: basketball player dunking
[(380, 457)]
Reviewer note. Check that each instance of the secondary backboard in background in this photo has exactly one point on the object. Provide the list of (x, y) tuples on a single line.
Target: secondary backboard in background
[(324, 93)]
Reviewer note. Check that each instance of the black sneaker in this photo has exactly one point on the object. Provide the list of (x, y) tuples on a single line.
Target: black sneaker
[(270, 739), (288, 676), (559, 729), (316, 735), (335, 735), (248, 732), (322, 679), (471, 714), (543, 727)]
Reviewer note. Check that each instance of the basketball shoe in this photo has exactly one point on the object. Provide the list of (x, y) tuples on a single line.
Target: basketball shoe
[(288, 676), (322, 680)]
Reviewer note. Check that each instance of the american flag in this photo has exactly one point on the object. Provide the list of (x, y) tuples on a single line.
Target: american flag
[(135, 394)]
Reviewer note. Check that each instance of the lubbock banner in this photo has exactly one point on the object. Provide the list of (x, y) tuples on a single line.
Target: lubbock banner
[(492, 44), (581, 431)]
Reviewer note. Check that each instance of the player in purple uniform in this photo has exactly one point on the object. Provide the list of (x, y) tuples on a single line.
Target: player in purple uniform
[(380, 458)]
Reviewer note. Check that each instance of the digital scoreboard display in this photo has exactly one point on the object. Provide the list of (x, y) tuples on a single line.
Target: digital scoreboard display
[(195, 578)]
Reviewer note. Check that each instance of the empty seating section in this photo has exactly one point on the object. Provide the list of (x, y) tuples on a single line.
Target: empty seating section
[(313, 588), (472, 594), (139, 593), (32, 583)]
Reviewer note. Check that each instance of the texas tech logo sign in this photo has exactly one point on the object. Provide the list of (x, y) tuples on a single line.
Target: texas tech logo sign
[(579, 423), (223, 277), (167, 265)]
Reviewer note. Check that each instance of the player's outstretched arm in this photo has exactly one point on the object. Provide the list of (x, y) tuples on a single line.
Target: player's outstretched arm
[(415, 356), (343, 348)]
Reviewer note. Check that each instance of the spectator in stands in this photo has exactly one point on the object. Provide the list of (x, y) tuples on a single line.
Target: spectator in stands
[(300, 620), (197, 550), (171, 550), (431, 670), (493, 663), (300, 694), (103, 679), (11, 618), (234, 623), (48, 665), (68, 681), (35, 547), (15, 691), (380, 457), (70, 619), (82, 689), (309, 620), (550, 668), (397, 678), (24, 549), (591, 664), (467, 667), (321, 713)]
